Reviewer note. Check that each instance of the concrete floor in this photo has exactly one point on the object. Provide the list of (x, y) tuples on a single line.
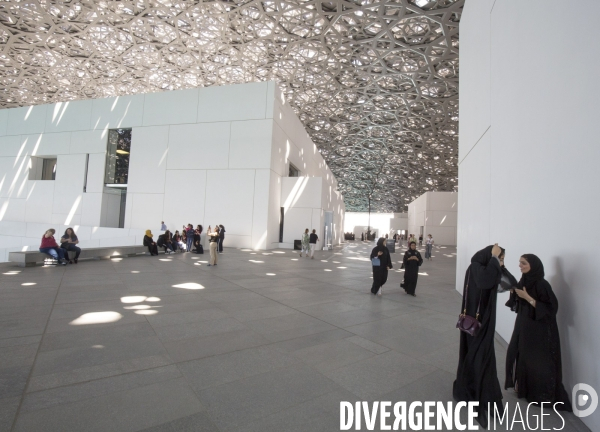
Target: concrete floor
[(262, 342)]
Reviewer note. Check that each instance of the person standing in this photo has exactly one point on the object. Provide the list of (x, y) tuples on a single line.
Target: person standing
[(50, 247), (380, 269), (420, 239), (68, 242), (221, 237), (163, 227), (305, 242), (189, 234), (533, 359), (150, 243), (314, 238), (412, 261), (476, 375), (429, 246), (213, 238)]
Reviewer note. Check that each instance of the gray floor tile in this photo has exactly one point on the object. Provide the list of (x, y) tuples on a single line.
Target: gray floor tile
[(234, 366)]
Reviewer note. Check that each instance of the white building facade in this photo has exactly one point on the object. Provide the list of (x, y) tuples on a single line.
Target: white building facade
[(215, 155), (434, 213)]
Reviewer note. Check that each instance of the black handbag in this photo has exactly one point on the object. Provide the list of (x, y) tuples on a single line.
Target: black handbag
[(467, 323)]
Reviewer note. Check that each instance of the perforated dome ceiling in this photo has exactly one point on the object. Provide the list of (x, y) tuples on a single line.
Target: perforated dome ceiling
[(375, 83)]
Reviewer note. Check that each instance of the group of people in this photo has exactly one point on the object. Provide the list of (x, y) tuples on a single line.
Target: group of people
[(189, 240), (533, 360), (412, 260), (68, 243), (309, 243)]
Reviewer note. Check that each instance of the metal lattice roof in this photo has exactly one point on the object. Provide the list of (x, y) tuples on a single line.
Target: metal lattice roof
[(374, 83)]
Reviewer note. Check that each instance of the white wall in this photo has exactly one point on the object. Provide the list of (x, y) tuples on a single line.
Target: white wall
[(529, 155), (436, 212), (210, 155), (358, 222), (312, 197), (399, 222)]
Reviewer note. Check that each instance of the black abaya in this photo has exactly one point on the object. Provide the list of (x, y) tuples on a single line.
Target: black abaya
[(380, 273), (411, 271), (477, 377), (533, 360)]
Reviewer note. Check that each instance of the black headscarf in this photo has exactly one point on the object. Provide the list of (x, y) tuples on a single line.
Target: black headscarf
[(381, 241), (484, 256), (535, 273)]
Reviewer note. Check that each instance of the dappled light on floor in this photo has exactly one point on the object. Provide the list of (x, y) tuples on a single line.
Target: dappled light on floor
[(147, 312), (271, 274), (256, 262), (137, 307), (28, 284), (189, 285), (12, 272), (133, 299), (97, 318)]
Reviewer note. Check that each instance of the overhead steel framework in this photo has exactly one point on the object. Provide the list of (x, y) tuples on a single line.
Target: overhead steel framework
[(374, 83)]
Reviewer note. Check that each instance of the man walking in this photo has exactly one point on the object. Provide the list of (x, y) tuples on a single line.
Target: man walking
[(314, 238)]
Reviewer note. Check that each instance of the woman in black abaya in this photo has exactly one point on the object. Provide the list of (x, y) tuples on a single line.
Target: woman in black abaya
[(477, 377), (380, 272), (533, 360), (412, 261)]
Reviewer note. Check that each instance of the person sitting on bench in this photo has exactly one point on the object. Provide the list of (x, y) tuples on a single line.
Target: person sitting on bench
[(165, 241), (68, 242), (150, 243), (50, 247)]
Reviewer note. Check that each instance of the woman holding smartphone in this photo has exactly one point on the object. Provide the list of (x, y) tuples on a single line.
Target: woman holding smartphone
[(533, 359)]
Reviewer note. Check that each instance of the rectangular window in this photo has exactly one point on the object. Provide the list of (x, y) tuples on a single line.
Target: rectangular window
[(117, 157), (42, 168), (294, 172), (49, 169)]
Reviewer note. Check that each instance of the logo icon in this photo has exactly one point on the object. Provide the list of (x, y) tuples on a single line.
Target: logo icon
[(585, 400)]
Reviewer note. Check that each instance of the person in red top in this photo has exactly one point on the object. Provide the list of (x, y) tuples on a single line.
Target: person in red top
[(50, 247)]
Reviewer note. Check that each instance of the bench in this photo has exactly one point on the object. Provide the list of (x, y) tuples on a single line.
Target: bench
[(31, 258)]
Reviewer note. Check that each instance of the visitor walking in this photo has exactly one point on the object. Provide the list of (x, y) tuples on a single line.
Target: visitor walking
[(50, 247), (476, 376), (429, 247), (314, 238), (163, 227), (305, 242), (420, 239), (533, 360), (150, 243), (68, 242), (213, 238), (381, 262), (412, 261)]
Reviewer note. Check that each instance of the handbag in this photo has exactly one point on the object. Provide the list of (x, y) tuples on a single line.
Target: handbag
[(467, 323), (376, 262)]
